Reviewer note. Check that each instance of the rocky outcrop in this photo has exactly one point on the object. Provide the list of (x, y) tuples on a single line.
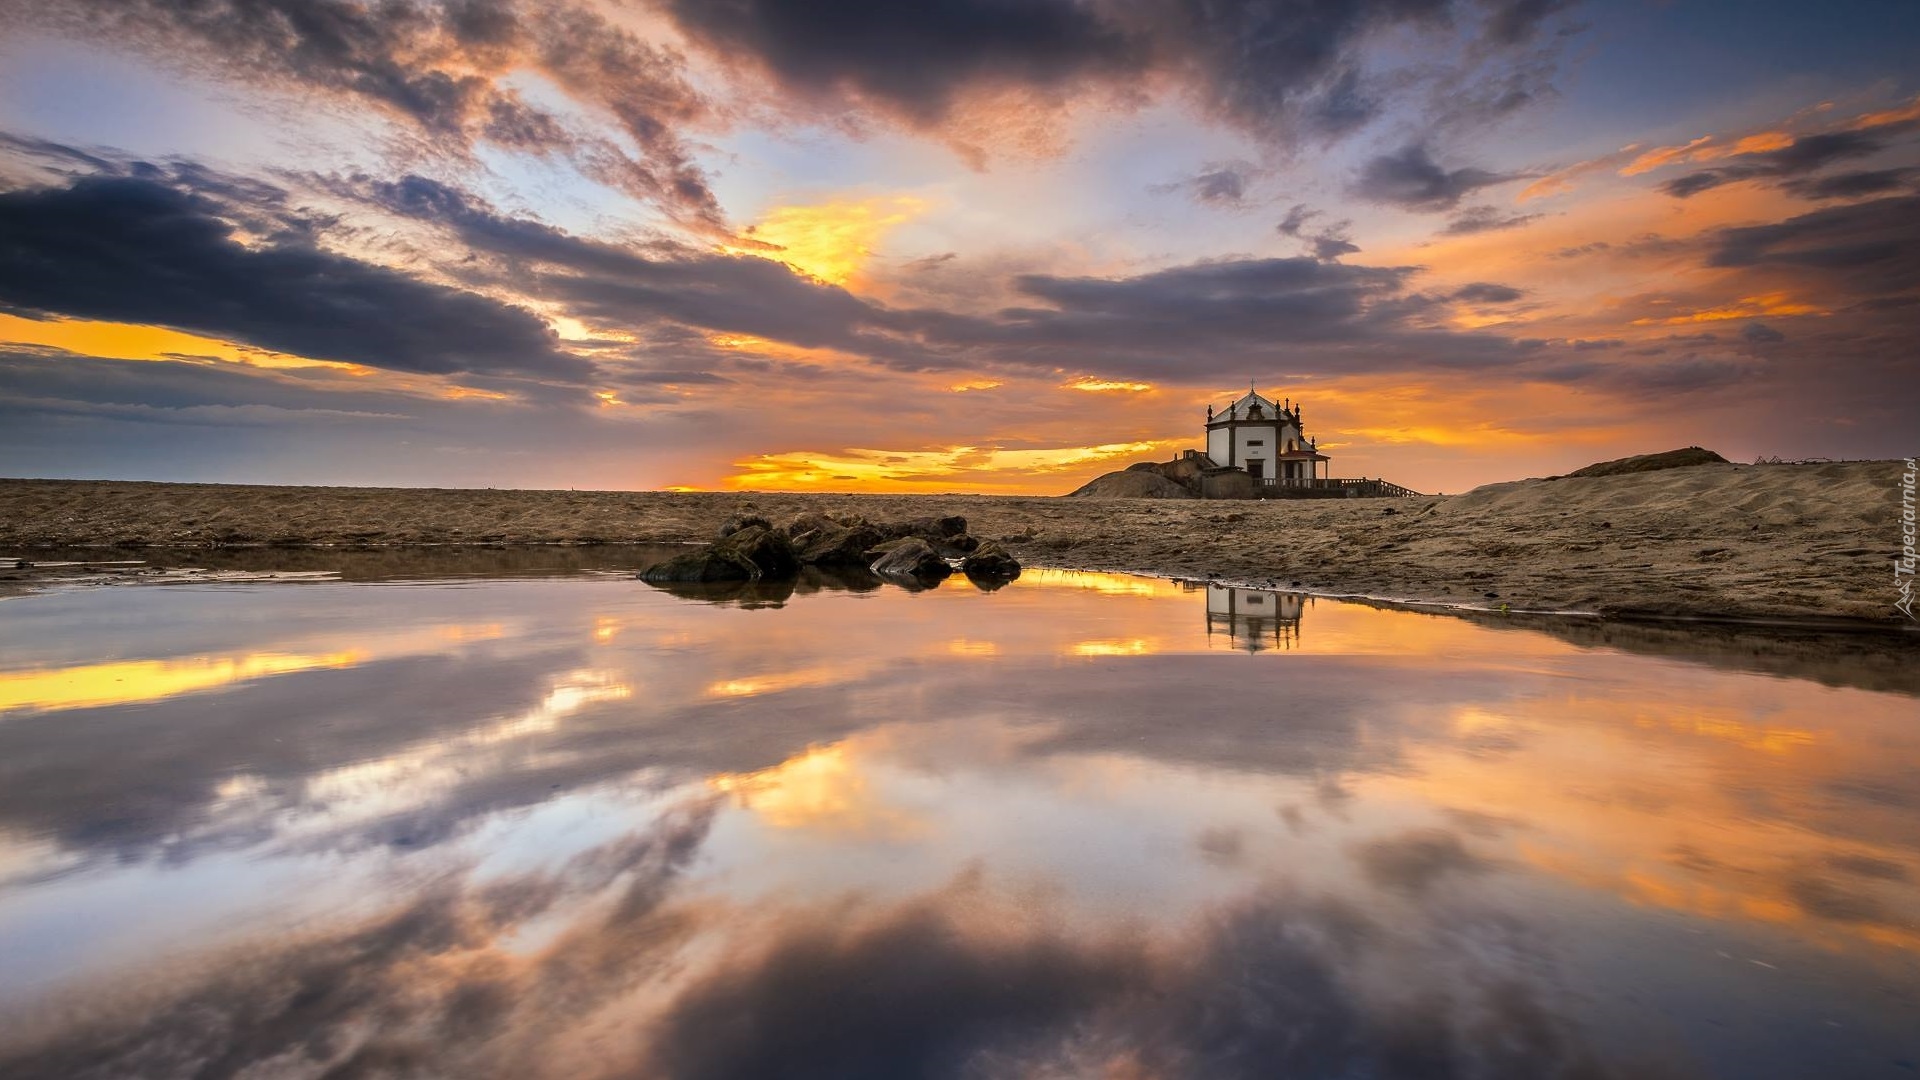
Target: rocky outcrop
[(735, 524), (838, 545), (750, 552), (912, 558), (990, 562), (1132, 484), (917, 552)]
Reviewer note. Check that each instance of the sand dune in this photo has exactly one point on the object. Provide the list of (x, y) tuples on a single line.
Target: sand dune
[(1777, 541)]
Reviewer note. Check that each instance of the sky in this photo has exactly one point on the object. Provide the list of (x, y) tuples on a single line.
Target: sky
[(955, 245)]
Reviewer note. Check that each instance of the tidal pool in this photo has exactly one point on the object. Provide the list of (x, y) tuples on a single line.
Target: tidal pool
[(1084, 825)]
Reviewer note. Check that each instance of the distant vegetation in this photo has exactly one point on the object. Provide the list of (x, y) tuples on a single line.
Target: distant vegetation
[(1671, 459)]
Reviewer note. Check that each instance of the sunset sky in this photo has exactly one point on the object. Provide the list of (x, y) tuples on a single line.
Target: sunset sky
[(953, 245)]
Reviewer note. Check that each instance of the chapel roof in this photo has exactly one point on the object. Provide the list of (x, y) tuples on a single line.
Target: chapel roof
[(1242, 408)]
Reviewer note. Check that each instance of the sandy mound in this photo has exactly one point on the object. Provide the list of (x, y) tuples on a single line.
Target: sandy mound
[(1639, 463), (1131, 484)]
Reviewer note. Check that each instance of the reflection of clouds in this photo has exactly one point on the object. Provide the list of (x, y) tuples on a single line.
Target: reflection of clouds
[(776, 682), (823, 789), (1724, 810), (426, 986), (960, 984), (1127, 647), (1414, 862), (1171, 862), (125, 682)]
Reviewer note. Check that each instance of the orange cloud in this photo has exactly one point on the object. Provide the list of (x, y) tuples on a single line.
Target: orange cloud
[(1778, 305), (127, 341), (1093, 385)]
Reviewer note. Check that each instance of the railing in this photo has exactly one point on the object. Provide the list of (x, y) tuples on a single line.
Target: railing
[(1357, 489)]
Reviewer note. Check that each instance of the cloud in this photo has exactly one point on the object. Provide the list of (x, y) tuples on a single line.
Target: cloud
[(1181, 322), (1296, 219), (1854, 185), (1762, 334), (1287, 74), (126, 249), (1482, 292), (1331, 245), (1515, 22), (1869, 249), (442, 69), (1803, 155), (1221, 183), (1480, 219), (1410, 179)]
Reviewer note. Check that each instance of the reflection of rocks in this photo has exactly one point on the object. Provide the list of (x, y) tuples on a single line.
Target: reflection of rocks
[(771, 593), (1254, 619), (915, 553)]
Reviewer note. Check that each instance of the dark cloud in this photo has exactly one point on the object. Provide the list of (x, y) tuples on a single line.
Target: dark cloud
[(1149, 324), (133, 250), (1329, 243), (914, 58), (1288, 73), (1222, 183), (1762, 334), (1805, 154), (1409, 178), (1296, 220), (1332, 246), (1853, 185), (442, 69), (1483, 292), (1870, 249), (1581, 250), (1480, 219), (1514, 22)]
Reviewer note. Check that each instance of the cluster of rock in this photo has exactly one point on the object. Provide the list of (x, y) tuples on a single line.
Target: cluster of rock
[(1176, 479), (915, 553)]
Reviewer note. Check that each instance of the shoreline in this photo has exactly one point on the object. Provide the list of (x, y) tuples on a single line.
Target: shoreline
[(1786, 545)]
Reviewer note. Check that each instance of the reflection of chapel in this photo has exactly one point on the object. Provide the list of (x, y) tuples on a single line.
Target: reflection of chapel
[(1264, 439)]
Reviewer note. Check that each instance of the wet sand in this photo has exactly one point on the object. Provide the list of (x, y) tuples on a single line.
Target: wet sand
[(1768, 542)]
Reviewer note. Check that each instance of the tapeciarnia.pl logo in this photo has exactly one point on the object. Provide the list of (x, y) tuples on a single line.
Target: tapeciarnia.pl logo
[(1903, 565)]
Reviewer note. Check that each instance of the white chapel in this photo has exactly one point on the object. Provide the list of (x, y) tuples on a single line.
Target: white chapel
[(1265, 439)]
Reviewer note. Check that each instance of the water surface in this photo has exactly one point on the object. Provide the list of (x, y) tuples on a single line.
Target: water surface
[(1085, 825)]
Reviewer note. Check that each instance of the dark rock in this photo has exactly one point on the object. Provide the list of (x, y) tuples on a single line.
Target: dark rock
[(836, 545), (933, 530), (701, 567), (749, 553), (991, 561), (739, 522), (769, 551), (809, 522), (912, 558)]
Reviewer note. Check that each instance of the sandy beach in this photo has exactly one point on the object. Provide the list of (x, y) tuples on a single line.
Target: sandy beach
[(1774, 542)]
